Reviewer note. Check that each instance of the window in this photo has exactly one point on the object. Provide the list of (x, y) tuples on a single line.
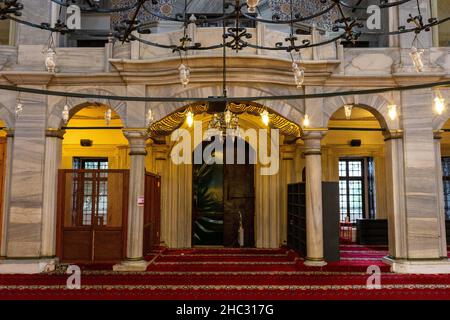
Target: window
[(351, 189), (96, 22), (243, 22), (446, 184), (90, 163), (92, 188)]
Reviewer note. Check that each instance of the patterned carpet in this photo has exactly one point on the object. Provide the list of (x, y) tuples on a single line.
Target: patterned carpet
[(238, 274)]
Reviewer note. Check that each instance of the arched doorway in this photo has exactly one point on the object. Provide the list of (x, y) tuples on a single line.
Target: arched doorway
[(270, 188), (354, 155), (223, 207), (93, 187)]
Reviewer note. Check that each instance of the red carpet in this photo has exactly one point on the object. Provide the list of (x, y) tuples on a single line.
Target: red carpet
[(240, 274)]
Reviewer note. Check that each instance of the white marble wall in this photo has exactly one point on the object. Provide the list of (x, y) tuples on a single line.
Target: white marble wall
[(421, 192), (25, 212)]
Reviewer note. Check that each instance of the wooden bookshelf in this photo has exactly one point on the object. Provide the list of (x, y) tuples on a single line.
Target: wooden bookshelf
[(296, 215)]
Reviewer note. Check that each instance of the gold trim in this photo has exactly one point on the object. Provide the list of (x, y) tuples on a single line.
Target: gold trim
[(175, 120)]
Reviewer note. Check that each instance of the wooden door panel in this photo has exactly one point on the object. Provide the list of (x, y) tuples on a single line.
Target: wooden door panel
[(152, 212), (77, 245), (96, 234), (107, 245), (2, 175)]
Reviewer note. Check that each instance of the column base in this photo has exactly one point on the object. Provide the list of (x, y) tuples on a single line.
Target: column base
[(28, 266), (418, 266), (131, 265), (314, 262)]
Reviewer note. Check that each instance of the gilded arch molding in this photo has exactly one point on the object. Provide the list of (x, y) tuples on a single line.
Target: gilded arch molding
[(174, 120)]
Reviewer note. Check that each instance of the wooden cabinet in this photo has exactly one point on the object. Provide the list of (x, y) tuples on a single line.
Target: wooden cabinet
[(372, 231), (296, 235)]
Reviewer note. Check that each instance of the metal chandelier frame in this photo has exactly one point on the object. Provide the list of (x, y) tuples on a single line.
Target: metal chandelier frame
[(233, 10), (234, 37)]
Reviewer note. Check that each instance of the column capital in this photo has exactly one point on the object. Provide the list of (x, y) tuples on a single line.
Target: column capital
[(55, 133), (312, 139), (313, 133), (137, 138), (392, 134)]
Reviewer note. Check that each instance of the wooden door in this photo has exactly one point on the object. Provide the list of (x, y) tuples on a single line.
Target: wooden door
[(92, 219), (223, 194), (2, 178), (239, 201), (152, 212)]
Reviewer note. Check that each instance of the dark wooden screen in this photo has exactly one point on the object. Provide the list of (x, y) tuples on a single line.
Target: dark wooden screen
[(152, 212), (92, 215)]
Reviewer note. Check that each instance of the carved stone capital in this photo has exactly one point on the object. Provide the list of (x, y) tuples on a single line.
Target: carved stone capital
[(393, 134), (312, 139), (55, 133)]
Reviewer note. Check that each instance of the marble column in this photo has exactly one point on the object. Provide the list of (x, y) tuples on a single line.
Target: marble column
[(314, 225), (395, 194), (134, 261), (53, 154), (6, 190), (440, 193), (27, 180), (420, 176)]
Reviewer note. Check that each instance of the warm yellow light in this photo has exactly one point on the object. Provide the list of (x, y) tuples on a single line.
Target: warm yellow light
[(190, 119), (439, 105), (392, 111), (306, 121), (348, 111), (252, 4), (265, 117)]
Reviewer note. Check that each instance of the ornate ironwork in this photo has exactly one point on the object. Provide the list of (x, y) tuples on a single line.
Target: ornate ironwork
[(8, 7)]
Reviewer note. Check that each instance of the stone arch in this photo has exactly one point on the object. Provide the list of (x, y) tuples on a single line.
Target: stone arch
[(290, 110), (375, 104), (7, 116), (76, 104), (286, 127)]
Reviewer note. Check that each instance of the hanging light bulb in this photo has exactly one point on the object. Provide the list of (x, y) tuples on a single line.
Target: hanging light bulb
[(50, 60), (108, 116), (65, 114), (190, 119), (185, 73), (228, 116), (416, 56), (265, 117), (252, 4), (149, 118), (306, 121), (392, 111), (299, 74), (348, 111), (19, 108), (439, 105)]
